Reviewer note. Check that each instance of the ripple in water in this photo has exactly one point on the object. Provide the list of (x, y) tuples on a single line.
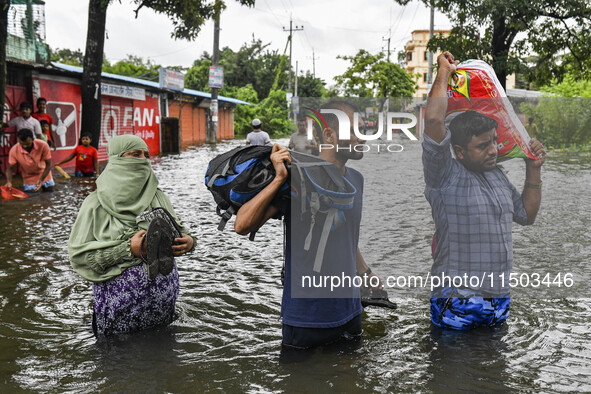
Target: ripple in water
[(227, 335)]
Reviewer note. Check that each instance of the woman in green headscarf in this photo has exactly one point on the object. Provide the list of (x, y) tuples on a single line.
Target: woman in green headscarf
[(106, 246)]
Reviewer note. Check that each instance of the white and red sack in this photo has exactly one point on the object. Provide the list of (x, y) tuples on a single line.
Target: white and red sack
[(475, 87)]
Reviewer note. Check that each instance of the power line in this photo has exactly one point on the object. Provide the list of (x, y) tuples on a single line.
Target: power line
[(352, 29), (286, 9), (272, 12), (399, 18), (405, 37), (291, 30), (413, 19), (306, 46), (388, 39), (314, 63)]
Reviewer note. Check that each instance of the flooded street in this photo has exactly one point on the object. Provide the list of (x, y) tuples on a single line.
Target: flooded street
[(228, 334)]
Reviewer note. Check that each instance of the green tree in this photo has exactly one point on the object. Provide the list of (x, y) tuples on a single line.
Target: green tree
[(374, 76), (252, 64), (563, 114), (310, 86), (570, 86), (187, 17), (68, 56), (272, 111), (254, 74), (243, 114), (133, 66), (197, 76), (561, 121), (550, 27)]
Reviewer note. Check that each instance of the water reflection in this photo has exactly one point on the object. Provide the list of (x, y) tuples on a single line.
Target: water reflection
[(468, 360), (227, 336)]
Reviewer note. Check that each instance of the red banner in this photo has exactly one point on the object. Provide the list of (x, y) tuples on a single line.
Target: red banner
[(119, 116)]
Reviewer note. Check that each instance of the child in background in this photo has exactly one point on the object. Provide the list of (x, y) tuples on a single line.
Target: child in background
[(42, 115), (45, 135), (86, 158)]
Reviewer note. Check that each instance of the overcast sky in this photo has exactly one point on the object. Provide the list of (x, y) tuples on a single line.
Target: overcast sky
[(331, 28)]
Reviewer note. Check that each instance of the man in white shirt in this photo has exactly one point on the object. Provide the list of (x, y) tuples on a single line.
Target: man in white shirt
[(26, 121), (257, 136), (299, 141)]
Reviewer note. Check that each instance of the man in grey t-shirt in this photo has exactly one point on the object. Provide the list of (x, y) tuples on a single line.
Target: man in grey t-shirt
[(26, 121), (299, 141), (257, 136)]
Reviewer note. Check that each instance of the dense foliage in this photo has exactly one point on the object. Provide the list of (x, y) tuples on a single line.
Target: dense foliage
[(374, 76), (556, 32), (563, 115)]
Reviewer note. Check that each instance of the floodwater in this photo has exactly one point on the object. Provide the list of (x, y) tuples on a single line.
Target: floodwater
[(227, 335)]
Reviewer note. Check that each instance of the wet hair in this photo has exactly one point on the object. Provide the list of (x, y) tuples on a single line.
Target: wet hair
[(469, 124), (40, 99), (24, 134), (26, 104), (86, 134)]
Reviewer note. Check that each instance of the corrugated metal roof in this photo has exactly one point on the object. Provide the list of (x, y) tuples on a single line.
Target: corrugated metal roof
[(155, 85)]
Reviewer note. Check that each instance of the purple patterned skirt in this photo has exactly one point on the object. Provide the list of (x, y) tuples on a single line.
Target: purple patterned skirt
[(131, 302)]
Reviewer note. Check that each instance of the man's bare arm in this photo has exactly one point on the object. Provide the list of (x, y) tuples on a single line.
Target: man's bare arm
[(67, 159), (532, 192), (44, 174), (363, 268), (252, 215), (9, 170), (96, 166), (437, 101)]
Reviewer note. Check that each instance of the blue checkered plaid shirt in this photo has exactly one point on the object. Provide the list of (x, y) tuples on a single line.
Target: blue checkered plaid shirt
[(473, 214)]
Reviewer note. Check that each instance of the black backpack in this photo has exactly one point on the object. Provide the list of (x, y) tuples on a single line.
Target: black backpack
[(319, 189), (237, 176)]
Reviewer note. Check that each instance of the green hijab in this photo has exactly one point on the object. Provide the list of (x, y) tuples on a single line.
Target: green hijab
[(107, 218)]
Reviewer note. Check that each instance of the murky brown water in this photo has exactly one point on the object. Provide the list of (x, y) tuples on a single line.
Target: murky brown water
[(227, 336)]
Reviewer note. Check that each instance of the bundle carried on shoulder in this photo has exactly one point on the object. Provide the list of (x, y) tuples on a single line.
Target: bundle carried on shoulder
[(316, 188), (475, 87), (237, 176)]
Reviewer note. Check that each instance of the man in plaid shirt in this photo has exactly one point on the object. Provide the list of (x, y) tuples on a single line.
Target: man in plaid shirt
[(473, 206)]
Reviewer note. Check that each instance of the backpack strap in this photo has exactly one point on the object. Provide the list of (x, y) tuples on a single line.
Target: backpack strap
[(225, 216), (284, 251), (216, 176), (324, 238), (303, 192), (314, 208)]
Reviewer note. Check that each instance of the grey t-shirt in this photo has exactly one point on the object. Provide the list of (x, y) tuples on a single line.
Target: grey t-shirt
[(258, 138), (299, 142), (29, 123)]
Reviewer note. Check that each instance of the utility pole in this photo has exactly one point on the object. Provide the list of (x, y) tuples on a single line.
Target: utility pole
[(291, 30), (430, 66), (383, 39), (296, 80), (212, 136), (314, 58)]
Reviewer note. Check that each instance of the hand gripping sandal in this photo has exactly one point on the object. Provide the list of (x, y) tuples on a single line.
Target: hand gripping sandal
[(162, 231), (158, 240)]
